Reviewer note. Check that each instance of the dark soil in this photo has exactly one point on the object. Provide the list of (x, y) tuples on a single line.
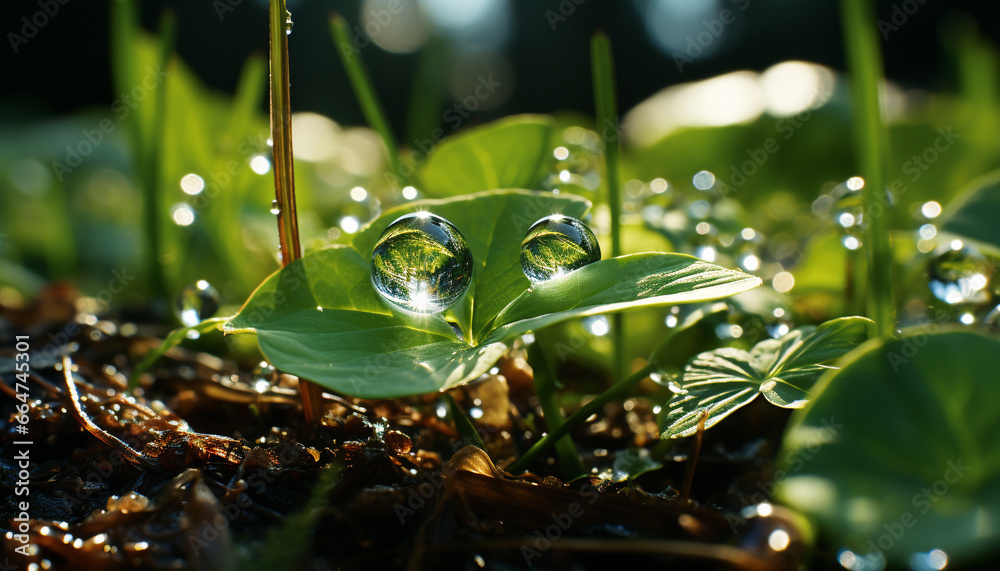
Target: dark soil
[(208, 466)]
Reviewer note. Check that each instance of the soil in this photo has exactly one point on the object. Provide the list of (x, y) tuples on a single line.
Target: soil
[(208, 465)]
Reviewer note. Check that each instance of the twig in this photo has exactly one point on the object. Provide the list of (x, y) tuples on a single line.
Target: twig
[(693, 461)]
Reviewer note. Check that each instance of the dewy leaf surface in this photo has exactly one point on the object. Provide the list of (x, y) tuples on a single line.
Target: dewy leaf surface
[(719, 382), (321, 318)]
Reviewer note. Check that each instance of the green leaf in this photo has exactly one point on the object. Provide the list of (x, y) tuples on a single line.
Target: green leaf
[(633, 463), (626, 282), (897, 452), (721, 381), (508, 153), (975, 212), (320, 317)]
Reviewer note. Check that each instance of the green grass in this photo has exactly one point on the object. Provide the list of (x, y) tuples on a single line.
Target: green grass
[(605, 100), (864, 57)]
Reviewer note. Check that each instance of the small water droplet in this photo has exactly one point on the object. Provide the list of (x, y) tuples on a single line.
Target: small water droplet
[(959, 275), (182, 214), (196, 302), (421, 263), (556, 245), (288, 23), (275, 209)]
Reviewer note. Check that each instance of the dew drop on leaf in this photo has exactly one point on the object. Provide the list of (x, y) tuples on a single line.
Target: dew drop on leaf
[(196, 302), (421, 263), (556, 245), (959, 275)]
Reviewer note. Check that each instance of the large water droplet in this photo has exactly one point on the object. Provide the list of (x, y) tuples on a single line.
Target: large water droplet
[(556, 245), (196, 302), (959, 275), (421, 263)]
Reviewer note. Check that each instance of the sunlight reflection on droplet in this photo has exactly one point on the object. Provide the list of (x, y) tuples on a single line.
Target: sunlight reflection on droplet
[(928, 231), (658, 185), (931, 209), (350, 224), (409, 193), (358, 194), (855, 183), (778, 540), (703, 180), (259, 164), (851, 243), (182, 214), (561, 153), (783, 282), (192, 184)]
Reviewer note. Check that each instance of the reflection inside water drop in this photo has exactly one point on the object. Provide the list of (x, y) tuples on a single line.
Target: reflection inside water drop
[(196, 302), (557, 245), (421, 263)]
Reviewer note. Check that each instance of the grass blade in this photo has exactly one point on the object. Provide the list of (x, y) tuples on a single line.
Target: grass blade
[(606, 103), (361, 82), (864, 57), (545, 386)]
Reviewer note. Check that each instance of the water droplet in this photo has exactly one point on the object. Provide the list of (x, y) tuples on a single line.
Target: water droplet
[(182, 214), (275, 209), (959, 276), (192, 184), (556, 245), (703, 180), (421, 263), (597, 325), (260, 164), (196, 302), (409, 193), (930, 209), (288, 23)]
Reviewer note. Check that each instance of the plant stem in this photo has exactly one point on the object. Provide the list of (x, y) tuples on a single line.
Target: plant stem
[(864, 57), (281, 136), (605, 101), (174, 339), (583, 413), (152, 165), (284, 173), (545, 386), (364, 90)]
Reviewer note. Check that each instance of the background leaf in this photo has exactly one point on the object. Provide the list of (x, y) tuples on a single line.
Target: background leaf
[(883, 444), (721, 381), (975, 212), (508, 153)]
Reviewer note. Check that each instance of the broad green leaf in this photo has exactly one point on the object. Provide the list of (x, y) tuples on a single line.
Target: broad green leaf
[(721, 381), (320, 317), (975, 212), (898, 453), (626, 282), (508, 153)]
